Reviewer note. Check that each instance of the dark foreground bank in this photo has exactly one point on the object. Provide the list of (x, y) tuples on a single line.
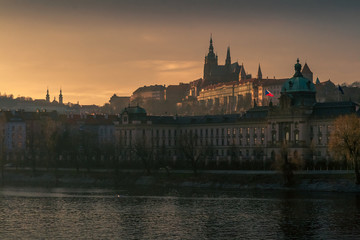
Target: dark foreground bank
[(326, 181)]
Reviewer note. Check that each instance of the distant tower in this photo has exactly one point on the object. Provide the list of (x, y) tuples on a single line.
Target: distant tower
[(211, 61), (307, 73), (61, 97), (47, 95), (228, 58), (242, 72), (259, 75)]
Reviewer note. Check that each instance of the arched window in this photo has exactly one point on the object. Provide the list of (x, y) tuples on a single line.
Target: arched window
[(287, 136), (273, 137), (296, 133)]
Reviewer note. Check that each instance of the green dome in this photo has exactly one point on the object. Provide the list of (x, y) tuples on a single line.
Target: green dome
[(298, 83), (134, 110)]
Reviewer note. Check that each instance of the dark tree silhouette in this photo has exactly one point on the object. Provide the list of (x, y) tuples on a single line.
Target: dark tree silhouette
[(193, 153), (345, 140), (145, 152)]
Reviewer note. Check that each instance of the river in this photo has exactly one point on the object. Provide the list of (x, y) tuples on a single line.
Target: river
[(68, 213)]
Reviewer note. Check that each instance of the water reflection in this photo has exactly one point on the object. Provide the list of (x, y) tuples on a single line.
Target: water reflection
[(176, 214), (298, 217)]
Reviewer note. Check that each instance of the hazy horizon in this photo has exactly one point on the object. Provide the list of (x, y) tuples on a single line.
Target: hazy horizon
[(93, 49)]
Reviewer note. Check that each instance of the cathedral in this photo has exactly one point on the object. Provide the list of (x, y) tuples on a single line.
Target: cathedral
[(215, 73)]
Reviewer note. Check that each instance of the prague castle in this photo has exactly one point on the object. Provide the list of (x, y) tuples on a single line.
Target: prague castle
[(224, 89)]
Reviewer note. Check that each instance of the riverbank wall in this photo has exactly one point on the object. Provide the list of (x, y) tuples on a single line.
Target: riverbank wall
[(326, 181)]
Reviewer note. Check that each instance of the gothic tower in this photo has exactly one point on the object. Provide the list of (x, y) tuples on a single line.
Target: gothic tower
[(211, 61), (61, 97), (47, 95), (228, 58), (242, 72), (259, 75)]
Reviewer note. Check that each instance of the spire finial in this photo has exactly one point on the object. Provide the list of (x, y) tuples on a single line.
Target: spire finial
[(211, 47), (259, 75)]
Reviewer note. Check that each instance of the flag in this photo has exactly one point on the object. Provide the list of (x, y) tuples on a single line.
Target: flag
[(268, 93), (341, 90)]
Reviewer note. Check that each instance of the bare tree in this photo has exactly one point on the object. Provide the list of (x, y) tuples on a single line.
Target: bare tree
[(192, 151), (345, 140), (145, 152)]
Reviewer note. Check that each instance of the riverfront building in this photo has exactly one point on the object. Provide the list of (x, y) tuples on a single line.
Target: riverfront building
[(298, 122)]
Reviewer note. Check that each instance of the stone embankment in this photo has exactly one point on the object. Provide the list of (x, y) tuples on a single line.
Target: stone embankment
[(324, 181)]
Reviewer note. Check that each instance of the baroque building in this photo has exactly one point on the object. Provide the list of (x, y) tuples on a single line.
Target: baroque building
[(146, 93), (299, 123)]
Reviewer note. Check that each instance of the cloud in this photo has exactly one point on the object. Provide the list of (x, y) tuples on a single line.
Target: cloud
[(169, 66)]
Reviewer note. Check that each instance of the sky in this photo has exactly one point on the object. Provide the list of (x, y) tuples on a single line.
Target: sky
[(94, 49)]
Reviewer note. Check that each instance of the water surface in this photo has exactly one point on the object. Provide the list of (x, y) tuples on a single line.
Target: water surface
[(65, 213)]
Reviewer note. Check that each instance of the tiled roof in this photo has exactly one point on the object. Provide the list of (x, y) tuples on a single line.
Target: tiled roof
[(256, 113), (190, 120), (150, 88), (306, 69), (269, 82), (333, 109)]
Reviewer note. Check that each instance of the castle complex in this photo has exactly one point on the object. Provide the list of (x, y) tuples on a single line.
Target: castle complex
[(224, 89)]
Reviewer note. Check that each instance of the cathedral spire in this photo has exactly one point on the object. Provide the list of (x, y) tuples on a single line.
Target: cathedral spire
[(259, 75), (211, 47), (242, 72), (228, 58)]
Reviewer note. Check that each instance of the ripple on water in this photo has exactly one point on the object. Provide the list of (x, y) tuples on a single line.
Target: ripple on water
[(144, 214)]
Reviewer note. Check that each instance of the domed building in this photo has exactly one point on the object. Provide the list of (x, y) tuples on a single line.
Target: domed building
[(130, 114), (301, 123), (298, 91)]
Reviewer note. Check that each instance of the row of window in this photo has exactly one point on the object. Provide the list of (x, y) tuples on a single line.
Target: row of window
[(200, 132), (201, 142), (319, 129)]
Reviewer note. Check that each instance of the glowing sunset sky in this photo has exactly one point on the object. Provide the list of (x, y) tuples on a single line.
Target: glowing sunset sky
[(93, 49)]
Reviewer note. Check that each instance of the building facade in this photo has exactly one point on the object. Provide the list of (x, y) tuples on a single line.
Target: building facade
[(146, 93), (298, 123)]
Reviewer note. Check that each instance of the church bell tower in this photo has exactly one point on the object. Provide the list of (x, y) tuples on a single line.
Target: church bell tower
[(60, 97), (47, 95)]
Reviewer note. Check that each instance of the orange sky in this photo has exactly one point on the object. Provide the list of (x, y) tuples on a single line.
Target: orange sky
[(93, 49)]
